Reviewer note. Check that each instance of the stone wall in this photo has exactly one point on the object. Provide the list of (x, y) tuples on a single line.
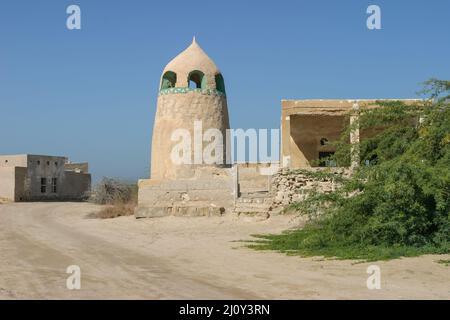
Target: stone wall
[(209, 193), (290, 186), (253, 176)]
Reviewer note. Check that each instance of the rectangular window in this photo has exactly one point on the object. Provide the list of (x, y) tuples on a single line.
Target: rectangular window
[(43, 185), (54, 185)]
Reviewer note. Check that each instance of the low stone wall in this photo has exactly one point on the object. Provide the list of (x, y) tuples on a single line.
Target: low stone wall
[(210, 193), (290, 186), (251, 177)]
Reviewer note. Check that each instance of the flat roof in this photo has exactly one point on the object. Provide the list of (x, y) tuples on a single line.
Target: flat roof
[(29, 154), (330, 106)]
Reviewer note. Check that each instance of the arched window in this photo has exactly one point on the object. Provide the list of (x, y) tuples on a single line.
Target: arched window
[(197, 80), (220, 83), (169, 80)]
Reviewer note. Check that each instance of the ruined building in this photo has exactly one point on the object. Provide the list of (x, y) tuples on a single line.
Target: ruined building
[(37, 178), (308, 128)]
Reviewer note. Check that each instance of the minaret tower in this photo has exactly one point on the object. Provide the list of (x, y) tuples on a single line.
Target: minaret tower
[(192, 90)]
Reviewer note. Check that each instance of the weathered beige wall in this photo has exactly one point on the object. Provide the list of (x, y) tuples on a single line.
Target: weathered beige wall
[(13, 183), (291, 153), (7, 183), (13, 160), (253, 177), (20, 190), (180, 111), (306, 133), (209, 192)]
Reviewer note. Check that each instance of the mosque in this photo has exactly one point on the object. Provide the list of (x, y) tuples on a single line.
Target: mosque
[(192, 90)]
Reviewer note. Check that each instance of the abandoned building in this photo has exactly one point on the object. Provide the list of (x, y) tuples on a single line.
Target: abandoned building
[(40, 178), (308, 128), (192, 89)]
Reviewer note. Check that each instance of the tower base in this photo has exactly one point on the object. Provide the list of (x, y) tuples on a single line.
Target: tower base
[(211, 192)]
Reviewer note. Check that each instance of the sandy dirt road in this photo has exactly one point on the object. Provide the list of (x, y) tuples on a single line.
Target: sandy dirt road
[(182, 258)]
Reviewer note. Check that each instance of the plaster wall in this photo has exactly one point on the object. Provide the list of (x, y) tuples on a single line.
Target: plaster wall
[(13, 160), (180, 111), (7, 183), (306, 134)]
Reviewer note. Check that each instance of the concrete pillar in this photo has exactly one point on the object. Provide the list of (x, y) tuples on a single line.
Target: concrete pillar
[(285, 156), (354, 135)]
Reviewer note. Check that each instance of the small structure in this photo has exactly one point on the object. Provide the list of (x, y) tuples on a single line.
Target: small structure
[(38, 178), (309, 126)]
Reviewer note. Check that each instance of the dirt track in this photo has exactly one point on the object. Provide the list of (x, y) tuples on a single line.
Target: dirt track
[(177, 258)]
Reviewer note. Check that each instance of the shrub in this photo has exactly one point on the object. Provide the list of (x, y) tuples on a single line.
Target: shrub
[(112, 191), (120, 198)]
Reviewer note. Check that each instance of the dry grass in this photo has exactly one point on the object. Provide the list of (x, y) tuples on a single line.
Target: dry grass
[(117, 210), (118, 197)]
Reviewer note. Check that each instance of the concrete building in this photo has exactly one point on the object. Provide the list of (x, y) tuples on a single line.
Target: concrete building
[(39, 178)]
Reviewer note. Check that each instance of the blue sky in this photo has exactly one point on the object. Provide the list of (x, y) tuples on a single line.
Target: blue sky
[(91, 94)]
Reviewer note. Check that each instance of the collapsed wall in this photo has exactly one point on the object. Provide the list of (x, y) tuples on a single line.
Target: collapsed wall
[(289, 186), (285, 187)]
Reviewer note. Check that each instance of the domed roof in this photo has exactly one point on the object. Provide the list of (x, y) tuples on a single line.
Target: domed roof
[(193, 58)]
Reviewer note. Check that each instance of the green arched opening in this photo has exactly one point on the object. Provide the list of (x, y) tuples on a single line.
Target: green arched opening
[(197, 80), (220, 83), (169, 80)]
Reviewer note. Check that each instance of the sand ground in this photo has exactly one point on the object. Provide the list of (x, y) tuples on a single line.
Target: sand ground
[(182, 258)]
